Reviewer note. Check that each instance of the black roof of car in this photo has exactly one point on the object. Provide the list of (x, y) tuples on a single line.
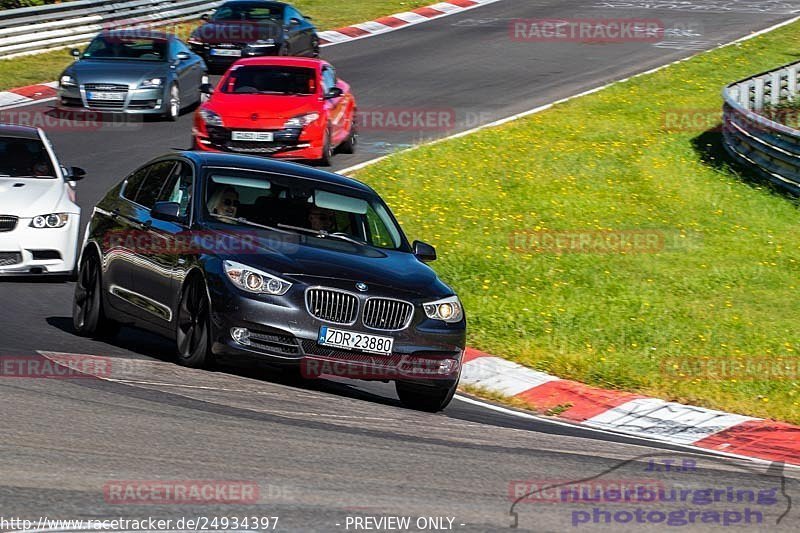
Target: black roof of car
[(248, 162), (137, 33), (22, 132), (269, 2)]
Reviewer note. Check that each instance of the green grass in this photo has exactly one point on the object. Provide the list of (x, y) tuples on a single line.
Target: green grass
[(725, 286), (327, 14)]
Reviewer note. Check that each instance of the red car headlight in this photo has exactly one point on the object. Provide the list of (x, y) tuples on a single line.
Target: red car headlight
[(301, 121)]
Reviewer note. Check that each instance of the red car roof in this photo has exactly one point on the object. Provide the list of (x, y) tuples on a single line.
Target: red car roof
[(288, 61)]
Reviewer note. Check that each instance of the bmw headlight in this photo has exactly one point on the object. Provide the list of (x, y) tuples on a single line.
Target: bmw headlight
[(53, 220), (448, 309), (68, 81), (253, 280), (210, 118), (153, 83), (301, 121)]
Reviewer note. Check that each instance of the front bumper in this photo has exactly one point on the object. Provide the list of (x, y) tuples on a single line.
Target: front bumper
[(30, 251), (282, 332), (292, 143), (216, 62), (132, 101)]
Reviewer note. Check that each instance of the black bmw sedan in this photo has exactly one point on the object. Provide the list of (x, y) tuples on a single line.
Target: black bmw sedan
[(235, 256), (251, 28)]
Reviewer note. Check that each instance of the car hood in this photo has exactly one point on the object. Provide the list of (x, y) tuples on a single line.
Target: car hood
[(237, 32), (30, 197), (313, 260), (256, 111), (116, 71)]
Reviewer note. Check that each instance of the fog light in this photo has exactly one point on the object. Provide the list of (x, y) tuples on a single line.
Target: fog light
[(241, 336)]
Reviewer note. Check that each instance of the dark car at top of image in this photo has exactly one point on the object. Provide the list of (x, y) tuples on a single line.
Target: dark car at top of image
[(250, 28), (234, 256), (133, 71)]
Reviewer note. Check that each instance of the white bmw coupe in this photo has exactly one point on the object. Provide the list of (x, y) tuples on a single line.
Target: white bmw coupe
[(39, 216)]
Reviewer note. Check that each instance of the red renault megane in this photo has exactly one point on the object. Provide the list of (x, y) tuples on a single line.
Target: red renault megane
[(283, 107)]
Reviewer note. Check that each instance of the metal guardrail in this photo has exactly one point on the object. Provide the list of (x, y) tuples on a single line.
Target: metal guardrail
[(31, 30), (770, 148)]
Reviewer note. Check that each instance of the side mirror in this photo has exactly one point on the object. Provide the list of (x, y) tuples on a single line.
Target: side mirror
[(75, 53), (182, 56), (205, 16), (424, 251), (336, 92), (294, 21), (75, 174), (168, 211), (207, 88)]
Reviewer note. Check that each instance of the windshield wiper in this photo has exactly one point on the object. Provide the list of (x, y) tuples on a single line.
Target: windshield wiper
[(322, 234)]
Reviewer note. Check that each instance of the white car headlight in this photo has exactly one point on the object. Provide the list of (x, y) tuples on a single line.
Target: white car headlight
[(53, 220), (256, 281), (301, 121), (210, 118), (67, 81), (263, 42), (153, 83), (447, 309)]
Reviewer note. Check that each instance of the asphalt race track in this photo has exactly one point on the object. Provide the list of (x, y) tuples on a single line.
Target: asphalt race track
[(326, 450)]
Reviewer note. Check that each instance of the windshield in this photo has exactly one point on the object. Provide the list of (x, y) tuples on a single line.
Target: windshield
[(252, 12), (270, 80), (21, 158), (247, 199), (121, 47)]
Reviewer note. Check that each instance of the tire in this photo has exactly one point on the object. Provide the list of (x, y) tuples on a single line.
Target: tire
[(315, 48), (173, 104), (193, 331), (327, 150), (88, 316), (431, 399), (350, 144)]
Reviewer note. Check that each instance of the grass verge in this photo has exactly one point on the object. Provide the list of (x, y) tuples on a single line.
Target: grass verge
[(327, 14), (704, 314)]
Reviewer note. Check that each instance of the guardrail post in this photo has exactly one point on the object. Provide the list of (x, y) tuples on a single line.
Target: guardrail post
[(758, 97), (791, 82), (775, 89)]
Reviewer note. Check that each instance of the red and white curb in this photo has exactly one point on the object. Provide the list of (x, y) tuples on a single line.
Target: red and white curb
[(47, 91), (28, 95), (399, 20), (632, 414)]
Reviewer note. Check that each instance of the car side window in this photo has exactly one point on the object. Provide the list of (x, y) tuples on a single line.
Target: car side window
[(156, 180), (179, 188), (134, 183), (328, 78)]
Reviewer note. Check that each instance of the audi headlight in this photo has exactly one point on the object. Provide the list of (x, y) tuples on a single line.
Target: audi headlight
[(448, 309), (153, 83), (211, 118), (53, 220), (301, 121), (253, 280), (68, 81)]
